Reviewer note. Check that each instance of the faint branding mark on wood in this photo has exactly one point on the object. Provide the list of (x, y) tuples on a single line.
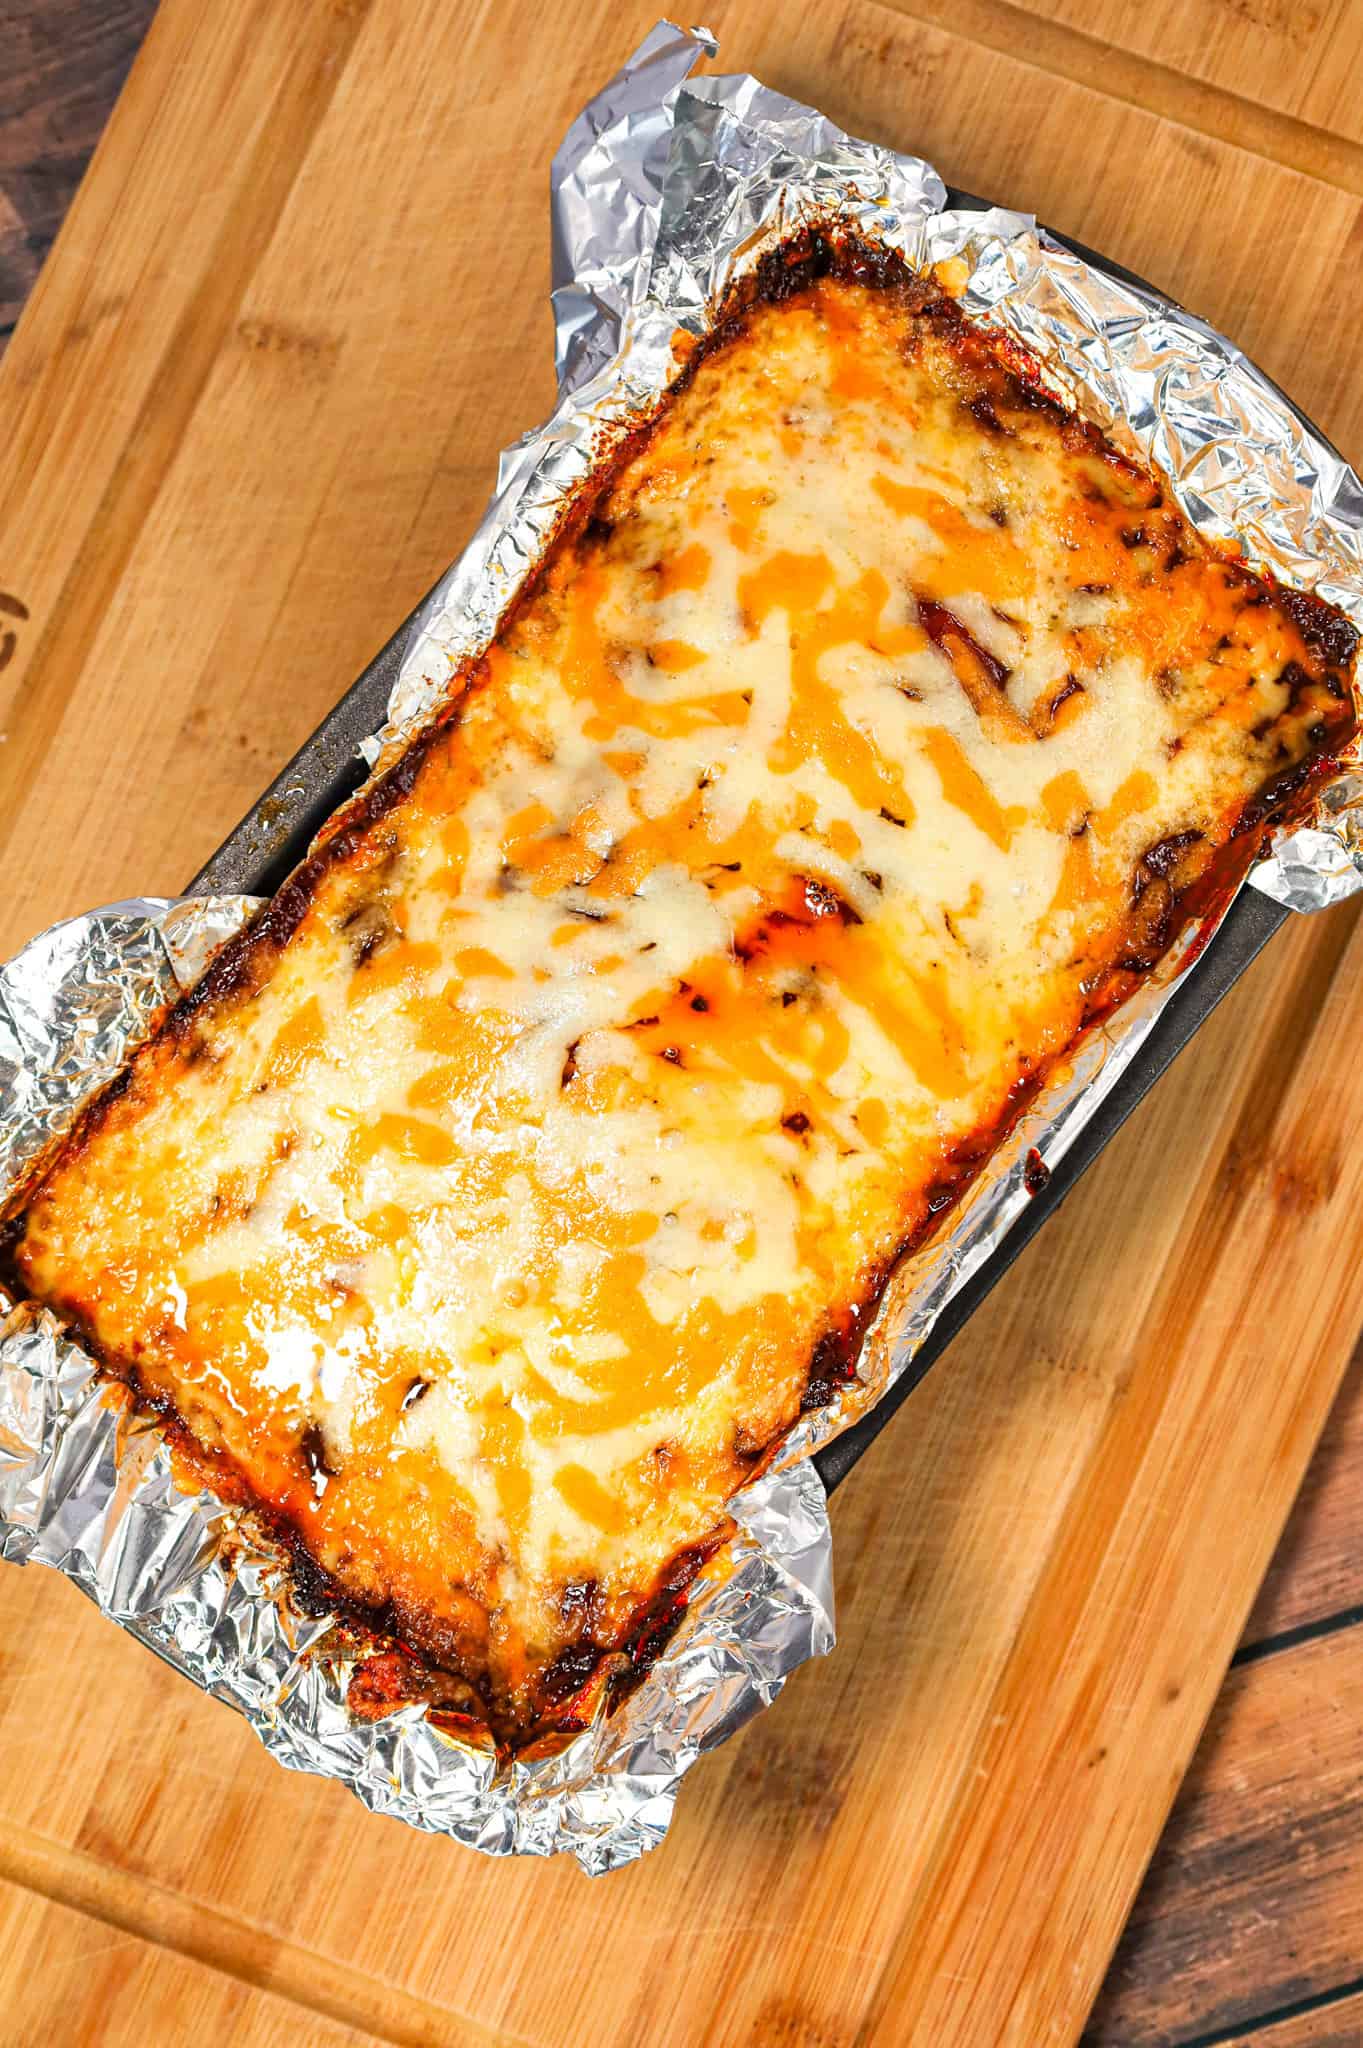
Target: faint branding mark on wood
[(1279, 17), (1297, 1180), (1306, 1182), (314, 355), (903, 48), (11, 608), (1196, 147), (785, 2023), (793, 1787), (108, 307)]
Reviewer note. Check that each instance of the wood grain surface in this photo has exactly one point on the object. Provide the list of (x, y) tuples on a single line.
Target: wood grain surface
[(71, 1976), (251, 410)]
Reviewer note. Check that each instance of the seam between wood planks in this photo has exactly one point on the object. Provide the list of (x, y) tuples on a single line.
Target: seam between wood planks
[(1145, 84), (1315, 2001), (1304, 1632), (186, 363), (252, 1955)]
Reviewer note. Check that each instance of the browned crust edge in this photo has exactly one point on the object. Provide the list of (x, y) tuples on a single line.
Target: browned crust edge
[(402, 1661)]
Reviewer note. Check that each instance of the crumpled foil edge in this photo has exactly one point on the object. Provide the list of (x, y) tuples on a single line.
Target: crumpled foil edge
[(662, 193)]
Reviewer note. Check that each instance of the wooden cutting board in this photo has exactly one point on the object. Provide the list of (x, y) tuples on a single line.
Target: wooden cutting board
[(250, 413)]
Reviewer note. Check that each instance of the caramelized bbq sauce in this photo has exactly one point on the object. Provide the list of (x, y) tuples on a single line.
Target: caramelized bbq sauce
[(494, 1206)]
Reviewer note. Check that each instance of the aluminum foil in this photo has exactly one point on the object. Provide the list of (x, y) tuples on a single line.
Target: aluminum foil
[(665, 188)]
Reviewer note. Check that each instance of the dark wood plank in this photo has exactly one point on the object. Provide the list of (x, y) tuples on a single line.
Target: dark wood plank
[(1253, 1902), (61, 65)]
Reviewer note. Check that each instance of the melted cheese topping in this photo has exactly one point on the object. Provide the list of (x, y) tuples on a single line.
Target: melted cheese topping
[(493, 1223)]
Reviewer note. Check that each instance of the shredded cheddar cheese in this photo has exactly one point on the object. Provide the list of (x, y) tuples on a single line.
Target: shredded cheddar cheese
[(491, 1213)]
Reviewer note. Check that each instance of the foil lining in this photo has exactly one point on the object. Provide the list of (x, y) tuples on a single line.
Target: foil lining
[(666, 188)]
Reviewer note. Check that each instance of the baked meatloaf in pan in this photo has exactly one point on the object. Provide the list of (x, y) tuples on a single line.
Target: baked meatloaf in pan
[(502, 1196)]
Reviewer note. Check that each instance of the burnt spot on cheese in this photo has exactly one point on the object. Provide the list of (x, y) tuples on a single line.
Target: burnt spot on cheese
[(568, 1672), (1160, 860), (199, 1047), (983, 677), (981, 410), (312, 1447), (1070, 688), (580, 1606), (948, 632), (831, 1366), (654, 1621), (1325, 629), (368, 928), (747, 1447)]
